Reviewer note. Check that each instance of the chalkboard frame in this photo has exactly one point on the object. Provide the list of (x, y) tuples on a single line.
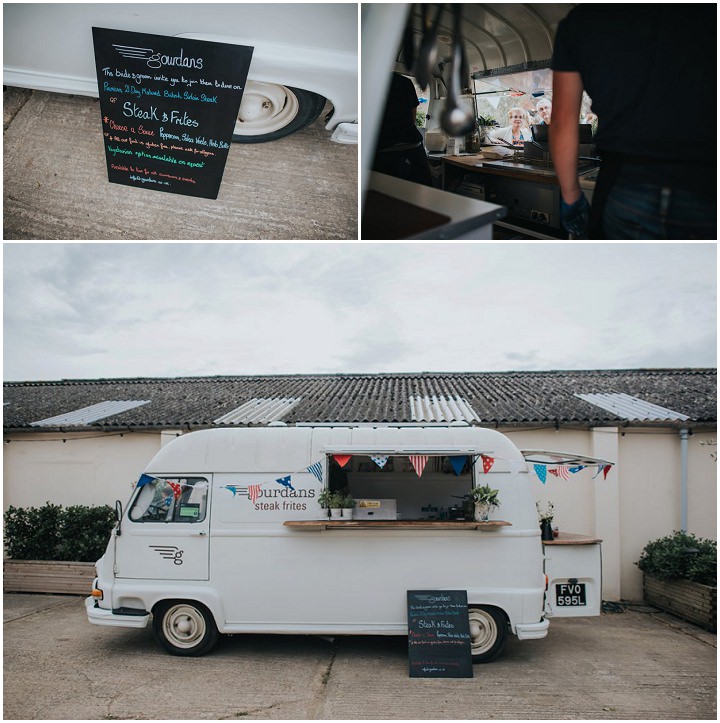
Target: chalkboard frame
[(439, 634)]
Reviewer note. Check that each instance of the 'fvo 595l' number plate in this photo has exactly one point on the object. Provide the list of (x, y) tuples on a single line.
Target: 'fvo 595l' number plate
[(570, 594)]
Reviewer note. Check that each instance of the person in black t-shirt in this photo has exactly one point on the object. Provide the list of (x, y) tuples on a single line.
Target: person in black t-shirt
[(400, 151), (627, 58)]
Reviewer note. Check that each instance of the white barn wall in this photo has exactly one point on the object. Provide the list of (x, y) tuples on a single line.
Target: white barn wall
[(86, 469)]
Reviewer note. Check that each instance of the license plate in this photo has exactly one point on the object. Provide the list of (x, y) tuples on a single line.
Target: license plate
[(570, 594)]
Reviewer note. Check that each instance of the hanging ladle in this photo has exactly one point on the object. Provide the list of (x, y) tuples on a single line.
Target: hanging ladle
[(428, 54), (455, 120)]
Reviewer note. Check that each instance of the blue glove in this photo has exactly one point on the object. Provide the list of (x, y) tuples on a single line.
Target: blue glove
[(575, 218)]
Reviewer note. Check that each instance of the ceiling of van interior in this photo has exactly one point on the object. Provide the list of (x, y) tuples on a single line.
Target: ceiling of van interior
[(499, 37)]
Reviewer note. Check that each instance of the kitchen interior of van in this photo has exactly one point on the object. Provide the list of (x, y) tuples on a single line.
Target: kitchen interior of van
[(481, 73)]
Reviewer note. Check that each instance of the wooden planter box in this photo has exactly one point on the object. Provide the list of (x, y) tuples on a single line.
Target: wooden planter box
[(71, 578), (688, 600)]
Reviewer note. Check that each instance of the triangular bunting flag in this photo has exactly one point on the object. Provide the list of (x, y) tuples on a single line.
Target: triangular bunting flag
[(342, 459), (316, 470), (561, 472), (541, 472), (457, 464), (579, 468), (606, 469), (144, 479), (488, 462), (418, 462), (285, 482), (379, 459)]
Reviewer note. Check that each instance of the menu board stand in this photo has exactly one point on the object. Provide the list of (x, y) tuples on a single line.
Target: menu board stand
[(439, 634), (169, 107)]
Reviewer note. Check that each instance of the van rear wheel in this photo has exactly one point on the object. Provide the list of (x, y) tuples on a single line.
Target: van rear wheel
[(184, 628), (488, 630)]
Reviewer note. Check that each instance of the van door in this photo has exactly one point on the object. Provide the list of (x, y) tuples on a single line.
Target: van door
[(166, 533)]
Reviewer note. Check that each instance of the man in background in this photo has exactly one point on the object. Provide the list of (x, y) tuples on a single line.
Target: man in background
[(627, 58)]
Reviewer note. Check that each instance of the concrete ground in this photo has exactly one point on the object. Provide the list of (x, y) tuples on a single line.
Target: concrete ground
[(55, 183), (631, 665)]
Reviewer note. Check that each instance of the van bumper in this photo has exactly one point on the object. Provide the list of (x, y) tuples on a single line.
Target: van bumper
[(102, 616), (532, 631)]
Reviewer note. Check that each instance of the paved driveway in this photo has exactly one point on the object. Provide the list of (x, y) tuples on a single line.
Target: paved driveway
[(300, 187), (618, 666)]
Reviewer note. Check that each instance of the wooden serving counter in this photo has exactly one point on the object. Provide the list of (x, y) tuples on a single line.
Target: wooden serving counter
[(394, 524), (572, 538)]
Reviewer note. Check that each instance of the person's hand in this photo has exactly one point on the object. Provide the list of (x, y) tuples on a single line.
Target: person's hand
[(575, 217)]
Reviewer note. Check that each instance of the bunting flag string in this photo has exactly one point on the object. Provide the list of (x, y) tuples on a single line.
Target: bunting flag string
[(379, 459), (342, 459), (418, 462), (457, 463), (316, 470)]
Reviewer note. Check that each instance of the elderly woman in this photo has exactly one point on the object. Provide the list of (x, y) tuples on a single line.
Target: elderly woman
[(517, 132)]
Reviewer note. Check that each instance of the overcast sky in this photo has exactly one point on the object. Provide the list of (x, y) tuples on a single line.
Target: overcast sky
[(166, 310)]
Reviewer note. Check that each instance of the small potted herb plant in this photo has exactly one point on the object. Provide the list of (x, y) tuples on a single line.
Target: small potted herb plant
[(348, 504), (546, 513), (486, 500), (335, 503)]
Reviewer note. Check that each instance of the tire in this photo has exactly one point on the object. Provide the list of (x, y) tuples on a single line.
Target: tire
[(184, 627), (488, 630), (270, 111)]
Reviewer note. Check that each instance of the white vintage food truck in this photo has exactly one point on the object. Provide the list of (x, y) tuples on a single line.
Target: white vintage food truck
[(224, 533)]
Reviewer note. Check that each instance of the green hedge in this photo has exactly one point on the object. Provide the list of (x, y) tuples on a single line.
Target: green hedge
[(74, 534), (681, 555)]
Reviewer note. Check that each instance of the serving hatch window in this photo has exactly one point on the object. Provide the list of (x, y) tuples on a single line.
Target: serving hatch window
[(176, 499), (421, 485)]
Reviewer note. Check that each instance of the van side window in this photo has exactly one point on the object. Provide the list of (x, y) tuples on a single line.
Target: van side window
[(177, 499)]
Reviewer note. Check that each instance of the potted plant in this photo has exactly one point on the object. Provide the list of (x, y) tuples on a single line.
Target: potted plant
[(546, 513), (324, 502), (485, 124), (486, 500), (348, 504), (680, 576), (335, 504)]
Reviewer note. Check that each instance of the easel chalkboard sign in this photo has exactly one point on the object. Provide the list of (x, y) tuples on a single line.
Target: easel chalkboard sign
[(439, 634), (169, 107)]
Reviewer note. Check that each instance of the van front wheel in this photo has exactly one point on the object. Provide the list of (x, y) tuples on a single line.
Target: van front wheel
[(184, 628), (488, 629)]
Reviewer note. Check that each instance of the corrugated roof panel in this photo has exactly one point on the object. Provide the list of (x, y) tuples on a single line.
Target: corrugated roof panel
[(87, 415), (631, 408), (259, 411), (441, 409)]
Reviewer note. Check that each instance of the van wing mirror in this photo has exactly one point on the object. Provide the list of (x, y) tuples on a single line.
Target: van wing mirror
[(118, 515)]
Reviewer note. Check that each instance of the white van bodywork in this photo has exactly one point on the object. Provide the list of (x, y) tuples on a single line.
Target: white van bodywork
[(313, 47), (246, 548)]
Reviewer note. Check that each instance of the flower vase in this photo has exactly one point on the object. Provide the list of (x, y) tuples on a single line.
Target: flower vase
[(347, 513), (546, 530), (482, 513), (335, 513)]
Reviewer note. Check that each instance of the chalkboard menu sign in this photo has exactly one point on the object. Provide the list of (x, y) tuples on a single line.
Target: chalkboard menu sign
[(169, 107), (439, 634)]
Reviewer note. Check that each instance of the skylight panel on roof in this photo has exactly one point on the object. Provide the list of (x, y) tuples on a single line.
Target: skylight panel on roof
[(259, 411), (441, 409), (88, 415), (631, 408)]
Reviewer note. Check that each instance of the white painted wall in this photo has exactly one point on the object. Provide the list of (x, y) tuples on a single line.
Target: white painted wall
[(638, 502), (85, 469)]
